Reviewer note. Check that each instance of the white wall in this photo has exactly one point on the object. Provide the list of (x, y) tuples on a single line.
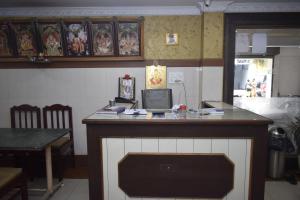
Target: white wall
[(87, 89), (212, 87), (286, 73)]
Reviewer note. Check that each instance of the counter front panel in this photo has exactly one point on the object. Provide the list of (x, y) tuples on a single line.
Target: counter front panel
[(239, 135)]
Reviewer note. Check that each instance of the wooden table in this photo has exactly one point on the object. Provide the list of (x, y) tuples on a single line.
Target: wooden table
[(12, 140), (235, 123)]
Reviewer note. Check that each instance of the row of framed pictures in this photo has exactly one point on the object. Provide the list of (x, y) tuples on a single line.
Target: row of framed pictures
[(69, 37)]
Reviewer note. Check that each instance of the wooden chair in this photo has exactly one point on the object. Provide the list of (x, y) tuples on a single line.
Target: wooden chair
[(60, 116), (25, 116), (12, 182)]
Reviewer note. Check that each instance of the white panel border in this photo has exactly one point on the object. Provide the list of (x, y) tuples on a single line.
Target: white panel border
[(100, 11), (227, 6)]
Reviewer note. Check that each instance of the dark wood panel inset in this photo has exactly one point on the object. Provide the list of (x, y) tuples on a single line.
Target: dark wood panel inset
[(176, 175), (19, 63)]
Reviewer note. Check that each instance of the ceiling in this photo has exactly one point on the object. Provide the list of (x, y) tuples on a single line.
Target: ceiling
[(118, 3)]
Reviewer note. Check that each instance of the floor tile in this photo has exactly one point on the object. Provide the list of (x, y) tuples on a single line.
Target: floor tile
[(77, 189), (279, 190)]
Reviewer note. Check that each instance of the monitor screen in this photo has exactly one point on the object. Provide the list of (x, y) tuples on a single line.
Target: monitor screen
[(157, 99)]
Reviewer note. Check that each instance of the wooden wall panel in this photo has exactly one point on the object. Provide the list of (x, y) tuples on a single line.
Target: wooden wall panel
[(150, 145), (220, 146), (105, 172), (247, 172), (167, 145), (202, 146), (184, 175), (132, 145), (237, 153), (115, 147), (184, 146), (238, 150)]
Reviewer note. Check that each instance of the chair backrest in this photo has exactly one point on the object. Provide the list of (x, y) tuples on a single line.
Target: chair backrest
[(157, 99), (58, 116), (25, 116)]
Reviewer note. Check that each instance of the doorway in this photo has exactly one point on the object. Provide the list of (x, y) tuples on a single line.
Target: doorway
[(243, 21)]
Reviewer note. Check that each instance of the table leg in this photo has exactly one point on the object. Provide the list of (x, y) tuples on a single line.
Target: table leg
[(49, 169)]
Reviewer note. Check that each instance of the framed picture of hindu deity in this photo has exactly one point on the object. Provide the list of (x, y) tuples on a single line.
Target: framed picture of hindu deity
[(171, 38), (103, 38), (6, 49), (128, 38), (51, 39), (127, 87), (25, 38), (156, 77), (77, 39)]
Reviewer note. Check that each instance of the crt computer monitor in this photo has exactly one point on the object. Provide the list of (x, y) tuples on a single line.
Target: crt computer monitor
[(157, 99)]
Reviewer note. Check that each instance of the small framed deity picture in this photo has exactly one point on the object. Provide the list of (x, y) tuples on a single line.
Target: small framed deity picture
[(156, 77), (171, 38), (51, 39), (77, 39), (103, 39), (5, 42), (129, 38), (26, 43), (127, 87)]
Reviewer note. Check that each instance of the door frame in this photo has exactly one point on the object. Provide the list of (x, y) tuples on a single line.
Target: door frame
[(233, 21)]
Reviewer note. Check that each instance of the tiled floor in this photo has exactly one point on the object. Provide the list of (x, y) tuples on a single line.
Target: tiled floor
[(280, 190), (77, 189), (72, 189)]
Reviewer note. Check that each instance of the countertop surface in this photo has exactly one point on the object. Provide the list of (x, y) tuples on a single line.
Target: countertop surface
[(226, 114)]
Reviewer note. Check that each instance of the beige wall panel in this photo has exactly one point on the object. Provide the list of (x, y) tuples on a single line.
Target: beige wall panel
[(189, 36), (213, 35)]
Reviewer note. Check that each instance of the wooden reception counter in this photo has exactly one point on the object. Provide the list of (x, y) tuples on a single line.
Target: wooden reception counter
[(183, 155)]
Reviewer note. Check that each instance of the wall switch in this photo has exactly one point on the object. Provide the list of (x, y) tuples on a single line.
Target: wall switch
[(175, 77)]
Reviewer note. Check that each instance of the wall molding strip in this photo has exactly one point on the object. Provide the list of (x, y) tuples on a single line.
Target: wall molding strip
[(113, 64), (99, 11)]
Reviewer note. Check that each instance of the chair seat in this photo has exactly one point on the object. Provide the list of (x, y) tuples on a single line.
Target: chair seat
[(8, 174), (60, 142)]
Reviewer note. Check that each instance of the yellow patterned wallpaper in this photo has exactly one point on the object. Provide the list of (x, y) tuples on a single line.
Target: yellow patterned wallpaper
[(189, 39), (213, 35), (188, 29)]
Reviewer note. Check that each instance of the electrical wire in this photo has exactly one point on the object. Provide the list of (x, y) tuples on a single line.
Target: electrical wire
[(184, 90)]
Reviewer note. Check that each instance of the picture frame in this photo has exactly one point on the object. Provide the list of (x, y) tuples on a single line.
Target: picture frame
[(25, 38), (71, 39), (156, 77), (127, 87), (51, 39), (171, 38), (128, 38), (6, 49), (77, 39), (103, 38)]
